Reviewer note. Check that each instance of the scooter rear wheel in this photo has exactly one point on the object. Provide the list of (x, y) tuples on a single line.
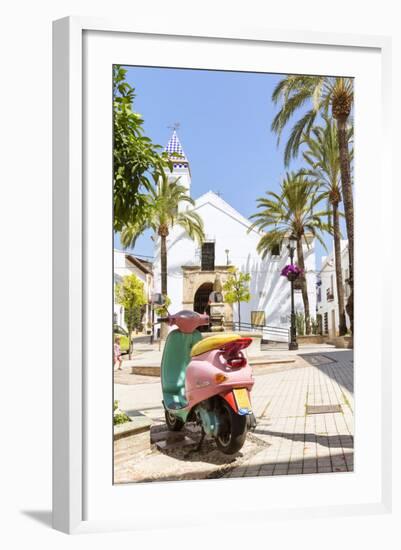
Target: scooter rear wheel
[(174, 424), (233, 429)]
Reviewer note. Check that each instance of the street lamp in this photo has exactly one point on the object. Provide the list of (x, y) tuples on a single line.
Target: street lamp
[(156, 299), (227, 252), (292, 244)]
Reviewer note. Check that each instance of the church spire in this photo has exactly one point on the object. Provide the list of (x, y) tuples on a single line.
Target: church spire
[(174, 148), (176, 153), (179, 160)]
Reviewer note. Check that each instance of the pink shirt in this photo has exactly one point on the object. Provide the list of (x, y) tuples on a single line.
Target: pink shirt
[(117, 350)]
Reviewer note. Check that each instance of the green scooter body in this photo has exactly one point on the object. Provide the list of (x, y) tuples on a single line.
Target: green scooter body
[(176, 358)]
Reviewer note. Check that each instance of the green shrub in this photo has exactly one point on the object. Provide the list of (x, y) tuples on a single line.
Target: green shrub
[(300, 323), (119, 417), (314, 326), (162, 311)]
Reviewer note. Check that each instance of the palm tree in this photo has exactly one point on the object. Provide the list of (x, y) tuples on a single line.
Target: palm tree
[(323, 160), (163, 212), (292, 212), (320, 93)]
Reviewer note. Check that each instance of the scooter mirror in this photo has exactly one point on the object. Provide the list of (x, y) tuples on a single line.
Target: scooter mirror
[(187, 321)]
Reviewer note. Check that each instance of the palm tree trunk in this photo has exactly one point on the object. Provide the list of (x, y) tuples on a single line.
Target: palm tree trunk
[(346, 185), (130, 329), (163, 265), (163, 260), (342, 325), (305, 298), (239, 315)]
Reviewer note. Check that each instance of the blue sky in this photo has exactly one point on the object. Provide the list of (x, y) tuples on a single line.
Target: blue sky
[(225, 120)]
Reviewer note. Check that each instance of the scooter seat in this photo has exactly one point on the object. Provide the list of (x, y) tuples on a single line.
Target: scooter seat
[(213, 342)]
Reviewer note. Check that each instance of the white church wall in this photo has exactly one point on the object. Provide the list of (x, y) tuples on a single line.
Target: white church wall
[(270, 292), (180, 251)]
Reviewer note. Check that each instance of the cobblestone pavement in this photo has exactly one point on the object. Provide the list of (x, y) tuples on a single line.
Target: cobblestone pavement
[(300, 443), (286, 439)]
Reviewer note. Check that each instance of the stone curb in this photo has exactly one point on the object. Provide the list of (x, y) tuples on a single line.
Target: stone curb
[(138, 424), (153, 369)]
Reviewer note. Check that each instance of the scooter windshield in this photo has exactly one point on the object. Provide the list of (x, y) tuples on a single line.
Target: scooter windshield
[(176, 358)]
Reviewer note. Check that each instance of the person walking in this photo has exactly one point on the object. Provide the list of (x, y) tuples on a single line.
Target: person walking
[(117, 353)]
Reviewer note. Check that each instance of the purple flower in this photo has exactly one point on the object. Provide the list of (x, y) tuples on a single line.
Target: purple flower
[(292, 271)]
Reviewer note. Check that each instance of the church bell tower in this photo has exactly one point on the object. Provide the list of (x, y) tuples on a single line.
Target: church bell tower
[(180, 162)]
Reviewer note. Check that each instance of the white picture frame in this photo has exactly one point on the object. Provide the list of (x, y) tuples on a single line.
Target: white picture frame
[(70, 225)]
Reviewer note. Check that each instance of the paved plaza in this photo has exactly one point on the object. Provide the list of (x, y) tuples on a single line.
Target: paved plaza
[(293, 435)]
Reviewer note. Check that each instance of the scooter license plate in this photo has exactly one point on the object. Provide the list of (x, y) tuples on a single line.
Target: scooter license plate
[(242, 399)]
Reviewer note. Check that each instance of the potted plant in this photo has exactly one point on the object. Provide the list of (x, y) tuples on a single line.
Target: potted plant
[(292, 272)]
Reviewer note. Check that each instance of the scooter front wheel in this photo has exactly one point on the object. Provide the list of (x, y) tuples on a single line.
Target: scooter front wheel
[(174, 424), (232, 431)]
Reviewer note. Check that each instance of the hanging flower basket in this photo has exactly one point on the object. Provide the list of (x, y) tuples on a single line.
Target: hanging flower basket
[(292, 272)]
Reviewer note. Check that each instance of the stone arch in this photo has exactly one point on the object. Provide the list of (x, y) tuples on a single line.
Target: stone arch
[(194, 278), (201, 297)]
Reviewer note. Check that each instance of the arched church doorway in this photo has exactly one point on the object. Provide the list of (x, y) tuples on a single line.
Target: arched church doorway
[(201, 299)]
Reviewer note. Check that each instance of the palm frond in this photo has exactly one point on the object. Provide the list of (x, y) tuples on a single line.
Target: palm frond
[(290, 212)]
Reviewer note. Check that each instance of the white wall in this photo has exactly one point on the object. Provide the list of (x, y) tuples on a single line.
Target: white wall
[(328, 282), (184, 178), (122, 267), (270, 292)]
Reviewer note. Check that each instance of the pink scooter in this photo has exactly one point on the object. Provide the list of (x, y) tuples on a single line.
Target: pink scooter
[(207, 380)]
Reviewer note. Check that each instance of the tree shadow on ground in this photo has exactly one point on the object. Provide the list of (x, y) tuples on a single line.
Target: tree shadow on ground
[(346, 441), (340, 463), (333, 368)]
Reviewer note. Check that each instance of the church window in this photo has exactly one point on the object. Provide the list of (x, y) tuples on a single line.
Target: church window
[(276, 250), (207, 261)]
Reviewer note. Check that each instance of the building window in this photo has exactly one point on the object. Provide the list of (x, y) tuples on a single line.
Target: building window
[(326, 323), (258, 318), (207, 261), (329, 295), (276, 250), (115, 318), (330, 291)]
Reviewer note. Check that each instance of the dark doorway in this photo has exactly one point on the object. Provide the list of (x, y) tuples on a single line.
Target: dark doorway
[(201, 301)]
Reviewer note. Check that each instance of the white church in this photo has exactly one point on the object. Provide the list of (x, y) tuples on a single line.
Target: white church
[(192, 269)]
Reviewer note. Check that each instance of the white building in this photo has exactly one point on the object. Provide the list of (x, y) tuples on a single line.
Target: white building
[(127, 264), (327, 297), (192, 269)]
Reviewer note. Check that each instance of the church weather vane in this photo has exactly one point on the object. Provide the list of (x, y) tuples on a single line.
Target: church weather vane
[(175, 126)]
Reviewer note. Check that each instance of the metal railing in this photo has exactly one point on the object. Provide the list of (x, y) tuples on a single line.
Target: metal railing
[(269, 332)]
